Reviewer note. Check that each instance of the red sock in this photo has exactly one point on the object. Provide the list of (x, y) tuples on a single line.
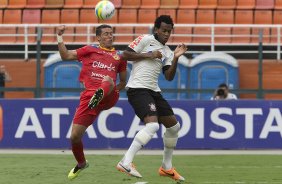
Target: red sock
[(106, 86), (77, 150)]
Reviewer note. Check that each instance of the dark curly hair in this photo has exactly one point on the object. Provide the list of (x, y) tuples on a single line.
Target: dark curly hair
[(163, 18)]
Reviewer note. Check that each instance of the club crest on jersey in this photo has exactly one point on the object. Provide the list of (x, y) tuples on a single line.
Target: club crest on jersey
[(116, 57), (152, 107)]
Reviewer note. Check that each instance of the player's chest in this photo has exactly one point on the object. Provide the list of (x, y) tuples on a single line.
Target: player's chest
[(103, 62), (152, 46)]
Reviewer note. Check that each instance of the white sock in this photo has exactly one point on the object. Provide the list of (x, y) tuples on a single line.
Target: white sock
[(167, 158), (140, 140), (170, 139)]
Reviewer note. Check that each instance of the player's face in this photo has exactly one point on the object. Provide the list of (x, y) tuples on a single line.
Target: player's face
[(164, 32), (106, 38)]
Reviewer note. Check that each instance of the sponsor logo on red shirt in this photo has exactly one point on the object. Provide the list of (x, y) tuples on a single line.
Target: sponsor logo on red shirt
[(98, 64)]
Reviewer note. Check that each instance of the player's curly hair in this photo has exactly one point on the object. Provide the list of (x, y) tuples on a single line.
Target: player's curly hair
[(163, 18), (99, 29)]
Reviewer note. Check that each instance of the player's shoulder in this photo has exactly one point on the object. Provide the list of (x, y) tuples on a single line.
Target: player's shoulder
[(149, 37), (145, 37), (140, 40), (119, 52), (94, 46), (90, 47), (232, 96)]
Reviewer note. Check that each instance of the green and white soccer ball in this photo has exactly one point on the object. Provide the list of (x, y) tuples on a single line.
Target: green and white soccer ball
[(105, 10)]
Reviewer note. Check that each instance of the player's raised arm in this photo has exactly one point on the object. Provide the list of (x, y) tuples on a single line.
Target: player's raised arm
[(170, 72), (64, 52)]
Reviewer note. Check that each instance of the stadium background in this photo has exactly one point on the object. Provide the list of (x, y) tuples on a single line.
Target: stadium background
[(248, 31), (228, 26), (243, 33), (196, 25)]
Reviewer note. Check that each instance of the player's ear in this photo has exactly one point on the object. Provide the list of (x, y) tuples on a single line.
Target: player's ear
[(155, 30), (98, 38)]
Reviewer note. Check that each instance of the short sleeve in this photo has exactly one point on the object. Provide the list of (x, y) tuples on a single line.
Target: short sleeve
[(81, 52), (139, 43), (123, 63), (168, 56)]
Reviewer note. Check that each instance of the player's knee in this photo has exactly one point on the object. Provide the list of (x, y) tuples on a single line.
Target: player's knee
[(147, 133), (75, 138), (171, 136), (170, 142), (152, 127), (173, 131)]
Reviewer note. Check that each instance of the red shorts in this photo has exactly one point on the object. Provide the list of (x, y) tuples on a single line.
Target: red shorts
[(86, 116)]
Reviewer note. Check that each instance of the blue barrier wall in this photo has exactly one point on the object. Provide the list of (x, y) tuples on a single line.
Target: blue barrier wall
[(208, 70), (62, 75), (41, 123)]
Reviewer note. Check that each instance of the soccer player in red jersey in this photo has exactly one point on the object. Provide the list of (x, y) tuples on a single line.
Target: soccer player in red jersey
[(100, 66)]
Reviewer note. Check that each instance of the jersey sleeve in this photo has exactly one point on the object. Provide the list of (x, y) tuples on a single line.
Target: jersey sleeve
[(123, 63), (139, 43), (81, 52), (168, 57)]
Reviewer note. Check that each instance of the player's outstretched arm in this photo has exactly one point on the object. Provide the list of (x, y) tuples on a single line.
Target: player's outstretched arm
[(131, 55), (64, 52)]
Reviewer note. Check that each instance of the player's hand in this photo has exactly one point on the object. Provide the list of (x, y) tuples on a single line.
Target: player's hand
[(61, 30), (156, 55), (180, 50)]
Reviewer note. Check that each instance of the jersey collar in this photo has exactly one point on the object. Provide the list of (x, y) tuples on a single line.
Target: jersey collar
[(113, 49)]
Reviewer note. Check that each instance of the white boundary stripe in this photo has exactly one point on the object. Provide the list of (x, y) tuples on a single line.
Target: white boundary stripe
[(243, 182), (144, 152)]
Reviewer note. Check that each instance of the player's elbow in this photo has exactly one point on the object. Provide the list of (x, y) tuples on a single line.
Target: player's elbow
[(130, 56), (69, 55), (125, 55), (64, 58), (169, 77)]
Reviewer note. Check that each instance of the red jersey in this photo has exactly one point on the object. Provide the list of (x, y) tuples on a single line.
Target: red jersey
[(97, 63)]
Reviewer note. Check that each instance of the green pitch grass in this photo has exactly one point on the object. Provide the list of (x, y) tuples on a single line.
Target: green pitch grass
[(204, 169)]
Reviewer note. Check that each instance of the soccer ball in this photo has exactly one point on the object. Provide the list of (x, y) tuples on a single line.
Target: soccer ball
[(104, 10)]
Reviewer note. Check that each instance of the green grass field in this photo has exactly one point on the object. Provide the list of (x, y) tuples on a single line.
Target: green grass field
[(207, 169)]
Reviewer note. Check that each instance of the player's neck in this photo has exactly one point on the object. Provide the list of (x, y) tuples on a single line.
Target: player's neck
[(157, 38), (107, 49)]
